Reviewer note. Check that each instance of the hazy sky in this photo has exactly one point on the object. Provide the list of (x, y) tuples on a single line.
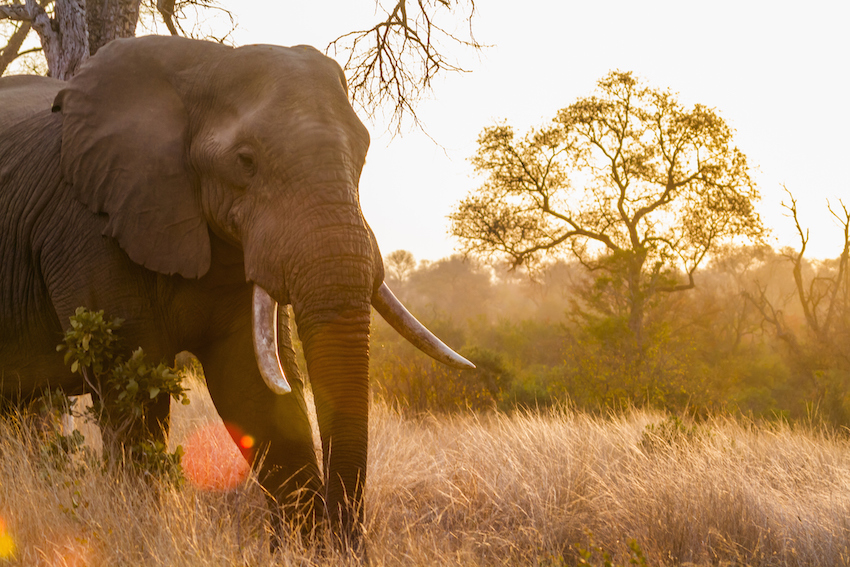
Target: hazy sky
[(776, 71)]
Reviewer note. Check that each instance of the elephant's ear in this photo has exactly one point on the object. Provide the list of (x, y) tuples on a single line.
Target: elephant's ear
[(124, 150)]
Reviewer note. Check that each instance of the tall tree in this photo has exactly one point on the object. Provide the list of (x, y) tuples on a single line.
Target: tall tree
[(628, 181)]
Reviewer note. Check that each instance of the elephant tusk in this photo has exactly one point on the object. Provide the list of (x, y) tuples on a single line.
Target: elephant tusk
[(265, 342), (415, 332)]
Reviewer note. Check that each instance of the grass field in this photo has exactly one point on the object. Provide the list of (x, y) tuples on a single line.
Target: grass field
[(461, 490)]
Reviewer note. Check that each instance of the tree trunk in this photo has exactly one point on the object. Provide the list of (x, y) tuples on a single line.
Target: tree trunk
[(110, 19), (637, 297), (78, 29), (63, 37)]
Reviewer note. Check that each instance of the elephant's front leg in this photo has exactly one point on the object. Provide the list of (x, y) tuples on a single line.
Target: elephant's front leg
[(278, 425)]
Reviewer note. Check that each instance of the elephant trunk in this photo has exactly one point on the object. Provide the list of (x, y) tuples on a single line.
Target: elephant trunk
[(331, 282), (337, 355)]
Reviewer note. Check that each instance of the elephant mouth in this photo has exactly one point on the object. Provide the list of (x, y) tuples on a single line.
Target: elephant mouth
[(266, 345)]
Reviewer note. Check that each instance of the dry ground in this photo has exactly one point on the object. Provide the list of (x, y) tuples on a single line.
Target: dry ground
[(464, 490)]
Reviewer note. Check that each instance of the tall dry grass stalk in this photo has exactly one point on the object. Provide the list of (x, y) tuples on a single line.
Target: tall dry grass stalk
[(466, 490), (524, 489)]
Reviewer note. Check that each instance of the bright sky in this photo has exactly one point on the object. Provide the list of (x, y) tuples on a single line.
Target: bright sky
[(777, 71)]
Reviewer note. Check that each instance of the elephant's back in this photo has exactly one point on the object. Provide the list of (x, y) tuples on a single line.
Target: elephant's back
[(21, 96)]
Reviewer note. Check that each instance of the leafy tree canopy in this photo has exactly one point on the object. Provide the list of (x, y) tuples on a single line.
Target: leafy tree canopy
[(627, 180)]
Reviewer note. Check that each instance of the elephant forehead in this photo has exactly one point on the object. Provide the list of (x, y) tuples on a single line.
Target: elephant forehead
[(289, 131), (275, 103), (294, 61), (286, 71)]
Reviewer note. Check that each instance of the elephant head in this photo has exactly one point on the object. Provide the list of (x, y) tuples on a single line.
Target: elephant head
[(176, 140)]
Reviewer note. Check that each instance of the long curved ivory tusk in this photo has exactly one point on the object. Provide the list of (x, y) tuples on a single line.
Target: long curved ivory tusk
[(408, 327), (265, 342)]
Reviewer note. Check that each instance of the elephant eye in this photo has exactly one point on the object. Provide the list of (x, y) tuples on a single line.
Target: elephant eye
[(247, 162)]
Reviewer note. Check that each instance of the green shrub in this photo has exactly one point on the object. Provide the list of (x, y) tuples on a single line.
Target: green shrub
[(124, 392)]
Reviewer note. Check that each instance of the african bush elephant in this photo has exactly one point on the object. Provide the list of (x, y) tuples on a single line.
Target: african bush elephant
[(194, 189)]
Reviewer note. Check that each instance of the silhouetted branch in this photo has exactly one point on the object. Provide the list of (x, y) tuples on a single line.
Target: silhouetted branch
[(395, 60), (166, 10), (841, 276), (774, 317), (175, 13), (17, 12), (12, 50)]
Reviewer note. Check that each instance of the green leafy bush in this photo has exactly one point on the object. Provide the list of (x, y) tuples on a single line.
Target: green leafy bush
[(90, 342), (124, 392)]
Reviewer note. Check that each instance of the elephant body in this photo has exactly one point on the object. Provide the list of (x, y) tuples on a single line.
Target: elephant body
[(193, 190), (55, 259)]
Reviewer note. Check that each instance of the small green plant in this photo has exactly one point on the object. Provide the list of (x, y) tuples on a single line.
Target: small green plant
[(593, 553), (53, 445), (90, 343), (154, 459), (124, 392), (672, 432)]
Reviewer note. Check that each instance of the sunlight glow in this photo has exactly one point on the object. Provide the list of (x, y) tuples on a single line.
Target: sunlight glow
[(72, 553)]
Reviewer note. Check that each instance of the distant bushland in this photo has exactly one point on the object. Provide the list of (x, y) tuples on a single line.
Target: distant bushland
[(739, 341)]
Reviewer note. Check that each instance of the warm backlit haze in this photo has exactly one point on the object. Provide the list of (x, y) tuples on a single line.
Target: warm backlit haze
[(775, 71), (710, 426)]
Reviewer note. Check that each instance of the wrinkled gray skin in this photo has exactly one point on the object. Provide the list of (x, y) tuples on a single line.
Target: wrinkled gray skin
[(171, 177)]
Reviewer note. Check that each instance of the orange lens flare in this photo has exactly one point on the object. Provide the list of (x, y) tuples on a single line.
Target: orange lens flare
[(7, 544), (212, 461), (246, 442), (73, 553)]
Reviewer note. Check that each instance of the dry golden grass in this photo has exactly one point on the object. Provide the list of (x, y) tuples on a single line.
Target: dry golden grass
[(466, 490)]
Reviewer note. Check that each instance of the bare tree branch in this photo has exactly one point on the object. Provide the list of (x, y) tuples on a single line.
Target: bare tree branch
[(775, 318), (166, 10), (396, 60), (17, 12), (806, 299), (176, 13), (12, 50)]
